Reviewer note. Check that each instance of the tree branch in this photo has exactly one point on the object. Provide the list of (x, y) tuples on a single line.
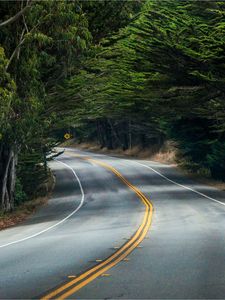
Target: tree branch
[(16, 49), (22, 40), (16, 16)]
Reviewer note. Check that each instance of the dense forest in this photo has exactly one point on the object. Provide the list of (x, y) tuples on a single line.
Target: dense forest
[(119, 73)]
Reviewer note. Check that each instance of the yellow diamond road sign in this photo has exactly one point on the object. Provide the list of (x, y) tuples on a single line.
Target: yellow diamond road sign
[(67, 136)]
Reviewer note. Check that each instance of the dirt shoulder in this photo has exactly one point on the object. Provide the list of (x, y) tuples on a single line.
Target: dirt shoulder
[(166, 156), (26, 209)]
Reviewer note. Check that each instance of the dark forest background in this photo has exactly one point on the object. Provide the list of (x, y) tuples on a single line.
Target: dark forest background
[(119, 73)]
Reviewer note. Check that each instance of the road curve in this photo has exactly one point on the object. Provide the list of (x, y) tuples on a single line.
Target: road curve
[(97, 207)]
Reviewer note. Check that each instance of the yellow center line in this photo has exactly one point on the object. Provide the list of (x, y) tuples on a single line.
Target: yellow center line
[(97, 274), (120, 254)]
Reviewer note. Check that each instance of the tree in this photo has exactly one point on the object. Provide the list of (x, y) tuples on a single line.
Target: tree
[(145, 78), (42, 44)]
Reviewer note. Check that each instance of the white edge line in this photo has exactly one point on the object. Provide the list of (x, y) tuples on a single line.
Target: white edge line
[(178, 184), (163, 176), (60, 222)]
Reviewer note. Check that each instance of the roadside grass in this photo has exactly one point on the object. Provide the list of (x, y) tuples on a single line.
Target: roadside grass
[(201, 175), (27, 208), (168, 154)]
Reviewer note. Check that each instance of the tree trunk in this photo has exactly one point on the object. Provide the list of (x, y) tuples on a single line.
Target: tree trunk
[(108, 134), (125, 136), (99, 133), (130, 134), (8, 162), (143, 140), (115, 134)]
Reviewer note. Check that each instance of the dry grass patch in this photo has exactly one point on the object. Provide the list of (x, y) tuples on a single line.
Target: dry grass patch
[(168, 154), (21, 212), (26, 209), (220, 185)]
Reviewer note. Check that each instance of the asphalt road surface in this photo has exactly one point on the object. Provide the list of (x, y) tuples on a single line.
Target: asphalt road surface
[(117, 228)]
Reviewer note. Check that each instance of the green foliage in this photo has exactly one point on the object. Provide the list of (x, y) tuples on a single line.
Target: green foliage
[(216, 160), (7, 94), (31, 171), (122, 73), (38, 50), (107, 17), (20, 195), (160, 77)]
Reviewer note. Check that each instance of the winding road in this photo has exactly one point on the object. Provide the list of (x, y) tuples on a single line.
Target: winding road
[(117, 228)]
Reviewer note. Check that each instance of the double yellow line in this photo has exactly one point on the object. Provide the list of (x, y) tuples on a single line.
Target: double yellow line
[(83, 279)]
